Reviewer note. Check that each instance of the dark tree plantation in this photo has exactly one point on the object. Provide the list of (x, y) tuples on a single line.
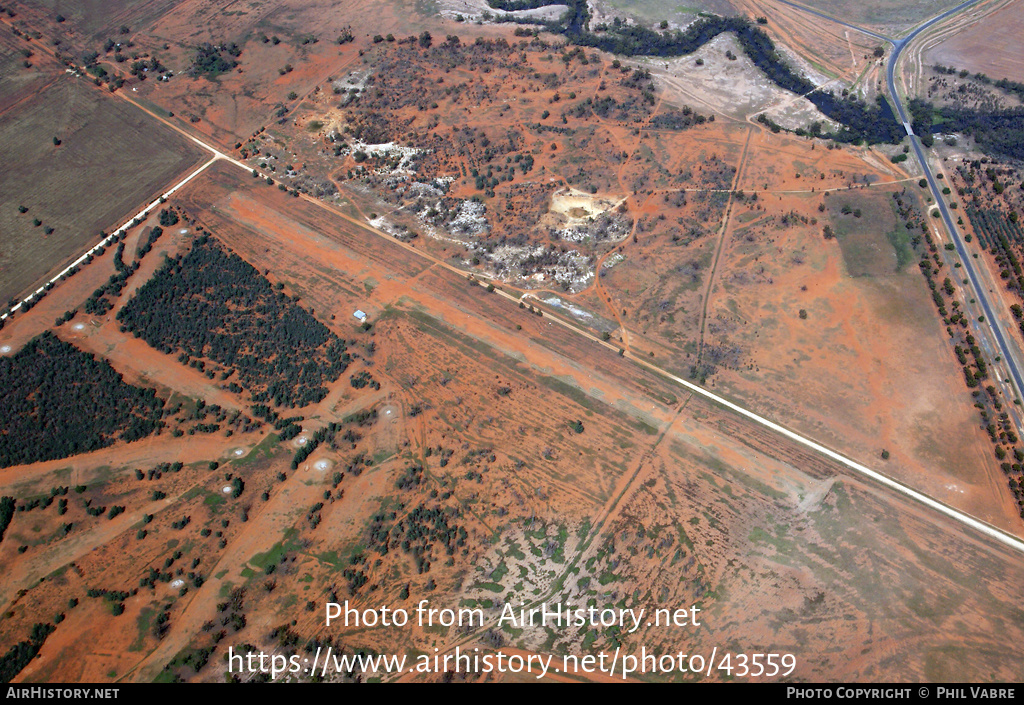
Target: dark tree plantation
[(60, 401), (211, 306)]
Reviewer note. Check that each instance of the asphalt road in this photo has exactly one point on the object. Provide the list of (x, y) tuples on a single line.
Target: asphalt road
[(994, 327), (998, 343), (980, 526), (833, 19)]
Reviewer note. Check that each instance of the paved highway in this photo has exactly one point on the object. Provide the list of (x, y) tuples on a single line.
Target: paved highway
[(999, 535), (833, 19), (994, 327)]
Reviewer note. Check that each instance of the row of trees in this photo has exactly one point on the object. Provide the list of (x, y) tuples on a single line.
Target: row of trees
[(323, 435), (861, 121), (997, 132), (1003, 84), (23, 652)]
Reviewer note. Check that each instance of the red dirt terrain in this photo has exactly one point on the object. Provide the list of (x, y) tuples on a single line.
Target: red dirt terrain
[(487, 436), (735, 510)]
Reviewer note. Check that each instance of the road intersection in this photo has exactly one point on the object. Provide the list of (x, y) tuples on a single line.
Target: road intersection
[(964, 519)]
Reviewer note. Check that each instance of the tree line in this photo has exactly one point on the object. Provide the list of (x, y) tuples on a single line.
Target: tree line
[(6, 514), (23, 652), (997, 132), (871, 123)]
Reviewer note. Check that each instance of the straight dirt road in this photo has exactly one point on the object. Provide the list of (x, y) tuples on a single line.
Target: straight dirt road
[(965, 519), (958, 516)]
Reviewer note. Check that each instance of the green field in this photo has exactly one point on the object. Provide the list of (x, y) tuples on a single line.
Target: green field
[(112, 160), (873, 242)]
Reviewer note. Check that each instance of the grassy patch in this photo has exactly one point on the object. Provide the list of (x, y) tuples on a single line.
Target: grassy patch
[(143, 623), (340, 560), (273, 556), (213, 501), (870, 243), (265, 449), (566, 390)]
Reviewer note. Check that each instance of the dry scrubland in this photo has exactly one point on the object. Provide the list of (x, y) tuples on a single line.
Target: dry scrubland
[(471, 451), (714, 249), (463, 445), (833, 336)]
